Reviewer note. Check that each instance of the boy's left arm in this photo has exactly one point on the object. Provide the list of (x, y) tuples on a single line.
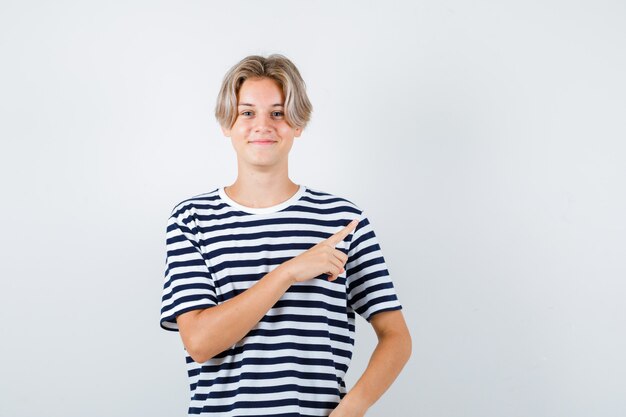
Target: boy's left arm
[(391, 354)]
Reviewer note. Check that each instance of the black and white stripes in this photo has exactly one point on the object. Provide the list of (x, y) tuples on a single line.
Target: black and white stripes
[(293, 362)]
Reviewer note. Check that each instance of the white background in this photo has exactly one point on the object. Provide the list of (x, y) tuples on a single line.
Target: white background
[(484, 139)]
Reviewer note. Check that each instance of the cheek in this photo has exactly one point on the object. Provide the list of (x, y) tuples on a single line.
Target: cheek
[(241, 129), (286, 131)]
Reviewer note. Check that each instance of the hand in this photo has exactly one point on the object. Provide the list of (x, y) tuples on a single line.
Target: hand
[(323, 258)]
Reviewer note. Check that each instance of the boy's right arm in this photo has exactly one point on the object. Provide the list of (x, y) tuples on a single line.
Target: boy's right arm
[(212, 330)]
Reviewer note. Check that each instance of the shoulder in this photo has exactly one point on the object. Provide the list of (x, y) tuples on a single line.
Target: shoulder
[(196, 204), (332, 201), (324, 197)]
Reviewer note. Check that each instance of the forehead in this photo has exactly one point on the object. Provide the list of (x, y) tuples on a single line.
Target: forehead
[(258, 91)]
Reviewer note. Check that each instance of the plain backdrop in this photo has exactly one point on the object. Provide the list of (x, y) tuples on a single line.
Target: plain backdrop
[(485, 139)]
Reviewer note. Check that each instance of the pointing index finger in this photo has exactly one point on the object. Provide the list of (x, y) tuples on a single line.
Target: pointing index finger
[(341, 235)]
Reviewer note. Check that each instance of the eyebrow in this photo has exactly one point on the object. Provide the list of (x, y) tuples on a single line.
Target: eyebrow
[(252, 105)]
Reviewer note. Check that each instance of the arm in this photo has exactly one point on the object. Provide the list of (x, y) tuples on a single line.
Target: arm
[(391, 354), (212, 330)]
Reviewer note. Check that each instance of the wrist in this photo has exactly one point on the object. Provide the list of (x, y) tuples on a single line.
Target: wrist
[(284, 274), (356, 402)]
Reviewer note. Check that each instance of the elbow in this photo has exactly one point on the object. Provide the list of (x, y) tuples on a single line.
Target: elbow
[(406, 343), (404, 346), (197, 357), (200, 353), (194, 339), (198, 349), (203, 337), (409, 346)]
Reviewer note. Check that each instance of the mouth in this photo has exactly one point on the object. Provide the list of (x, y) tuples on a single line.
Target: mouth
[(262, 142)]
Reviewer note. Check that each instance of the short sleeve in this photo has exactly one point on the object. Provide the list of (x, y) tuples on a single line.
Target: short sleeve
[(188, 283), (369, 286)]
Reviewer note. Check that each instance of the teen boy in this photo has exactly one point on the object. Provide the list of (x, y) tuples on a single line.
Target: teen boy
[(264, 276)]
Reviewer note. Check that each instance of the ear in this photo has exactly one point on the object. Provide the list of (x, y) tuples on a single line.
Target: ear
[(297, 132), (225, 131)]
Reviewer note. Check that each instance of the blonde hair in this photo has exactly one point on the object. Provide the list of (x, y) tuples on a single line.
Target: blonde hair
[(277, 67)]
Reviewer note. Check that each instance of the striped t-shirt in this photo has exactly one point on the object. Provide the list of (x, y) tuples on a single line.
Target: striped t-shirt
[(293, 362)]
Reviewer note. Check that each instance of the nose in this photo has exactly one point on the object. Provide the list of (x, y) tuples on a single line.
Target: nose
[(263, 123)]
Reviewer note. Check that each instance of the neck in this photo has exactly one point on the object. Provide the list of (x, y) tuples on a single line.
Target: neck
[(261, 189)]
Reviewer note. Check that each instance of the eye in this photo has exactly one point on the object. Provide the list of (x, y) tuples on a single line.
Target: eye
[(246, 113), (277, 114)]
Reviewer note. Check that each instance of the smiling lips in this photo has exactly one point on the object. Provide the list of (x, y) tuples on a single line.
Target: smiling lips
[(263, 142)]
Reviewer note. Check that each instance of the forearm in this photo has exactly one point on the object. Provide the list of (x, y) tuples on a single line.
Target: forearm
[(389, 357), (216, 328)]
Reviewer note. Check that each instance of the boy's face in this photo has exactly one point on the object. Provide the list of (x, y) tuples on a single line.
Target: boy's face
[(260, 135)]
